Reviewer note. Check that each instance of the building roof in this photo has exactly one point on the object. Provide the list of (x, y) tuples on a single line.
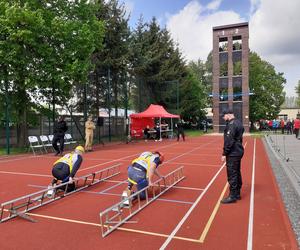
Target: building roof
[(230, 26), (154, 111)]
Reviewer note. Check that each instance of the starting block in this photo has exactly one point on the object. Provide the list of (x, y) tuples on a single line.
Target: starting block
[(120, 213), (19, 207)]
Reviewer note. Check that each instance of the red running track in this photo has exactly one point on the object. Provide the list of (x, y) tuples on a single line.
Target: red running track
[(188, 216)]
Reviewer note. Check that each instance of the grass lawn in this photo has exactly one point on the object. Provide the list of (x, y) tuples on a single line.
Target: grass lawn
[(13, 151), (257, 134), (193, 133)]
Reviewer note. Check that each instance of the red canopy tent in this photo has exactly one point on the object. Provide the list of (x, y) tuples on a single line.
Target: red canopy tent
[(140, 120)]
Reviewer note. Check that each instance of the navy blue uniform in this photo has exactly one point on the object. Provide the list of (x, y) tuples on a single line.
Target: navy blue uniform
[(66, 167), (138, 171), (59, 136), (180, 131), (233, 150)]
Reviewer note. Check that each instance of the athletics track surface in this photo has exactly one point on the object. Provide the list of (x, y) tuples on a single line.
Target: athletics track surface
[(188, 216)]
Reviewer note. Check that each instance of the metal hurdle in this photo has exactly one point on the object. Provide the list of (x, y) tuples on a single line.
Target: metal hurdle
[(118, 214), (281, 151), (21, 205)]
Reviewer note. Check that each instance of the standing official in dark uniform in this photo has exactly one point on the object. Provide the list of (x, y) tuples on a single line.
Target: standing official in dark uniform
[(233, 152), (59, 135), (180, 130)]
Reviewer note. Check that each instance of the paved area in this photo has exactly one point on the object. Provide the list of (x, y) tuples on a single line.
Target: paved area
[(287, 148), (284, 155)]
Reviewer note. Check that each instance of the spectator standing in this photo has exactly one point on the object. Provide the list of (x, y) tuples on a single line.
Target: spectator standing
[(296, 127), (282, 126), (59, 131), (146, 133), (289, 127), (157, 129), (89, 133), (270, 125), (274, 126)]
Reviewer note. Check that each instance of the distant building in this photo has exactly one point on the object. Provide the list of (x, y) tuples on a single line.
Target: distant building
[(289, 113), (102, 112), (121, 112), (231, 73)]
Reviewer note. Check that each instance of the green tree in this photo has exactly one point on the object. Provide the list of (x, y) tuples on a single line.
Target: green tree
[(44, 49), (297, 89), (157, 64), (267, 86), (203, 73), (194, 101), (19, 29), (72, 34), (113, 59)]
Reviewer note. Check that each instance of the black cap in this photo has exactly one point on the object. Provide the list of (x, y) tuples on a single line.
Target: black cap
[(226, 112)]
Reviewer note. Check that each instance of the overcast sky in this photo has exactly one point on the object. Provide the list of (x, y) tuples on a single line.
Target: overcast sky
[(274, 27)]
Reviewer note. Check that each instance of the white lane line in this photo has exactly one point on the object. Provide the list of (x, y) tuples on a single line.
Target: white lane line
[(172, 235), (125, 157), (251, 210), (19, 158), (104, 192), (93, 166), (190, 164), (20, 173), (176, 187), (197, 164)]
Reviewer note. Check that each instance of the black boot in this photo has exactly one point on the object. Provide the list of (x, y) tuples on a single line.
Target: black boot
[(238, 195), (229, 199)]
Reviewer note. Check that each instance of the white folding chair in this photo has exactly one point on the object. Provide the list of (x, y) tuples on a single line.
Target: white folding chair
[(134, 135), (50, 138), (69, 139), (35, 144), (45, 142)]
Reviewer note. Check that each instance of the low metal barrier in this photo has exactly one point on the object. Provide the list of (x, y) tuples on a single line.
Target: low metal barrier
[(21, 205), (118, 214)]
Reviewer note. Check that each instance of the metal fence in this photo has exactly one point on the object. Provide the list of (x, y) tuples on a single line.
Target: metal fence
[(113, 127)]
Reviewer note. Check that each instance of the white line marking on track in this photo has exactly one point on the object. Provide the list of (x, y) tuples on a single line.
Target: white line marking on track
[(20, 173), (125, 157), (19, 158), (251, 210), (185, 164), (172, 235), (104, 192)]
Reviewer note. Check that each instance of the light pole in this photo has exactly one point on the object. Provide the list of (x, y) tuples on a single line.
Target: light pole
[(7, 132), (109, 105), (85, 102)]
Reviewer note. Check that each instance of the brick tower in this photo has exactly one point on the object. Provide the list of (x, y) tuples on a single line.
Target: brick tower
[(231, 73)]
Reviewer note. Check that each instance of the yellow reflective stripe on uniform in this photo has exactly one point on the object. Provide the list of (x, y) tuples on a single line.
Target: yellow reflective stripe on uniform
[(68, 160), (132, 181), (144, 159)]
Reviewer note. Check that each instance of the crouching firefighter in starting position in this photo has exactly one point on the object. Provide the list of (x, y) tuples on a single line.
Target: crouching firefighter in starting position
[(65, 168), (141, 173)]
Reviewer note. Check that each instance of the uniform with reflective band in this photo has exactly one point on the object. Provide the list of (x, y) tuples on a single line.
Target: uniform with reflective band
[(72, 160), (143, 163), (67, 159)]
